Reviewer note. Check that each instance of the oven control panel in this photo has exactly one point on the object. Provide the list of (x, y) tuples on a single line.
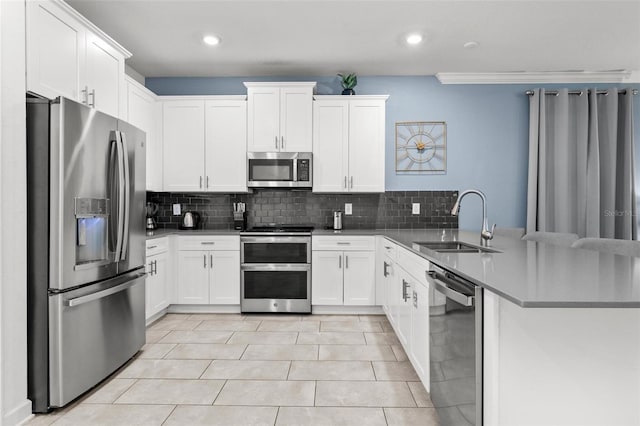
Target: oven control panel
[(303, 170)]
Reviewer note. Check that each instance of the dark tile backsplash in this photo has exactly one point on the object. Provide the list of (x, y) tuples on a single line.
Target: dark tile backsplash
[(391, 210)]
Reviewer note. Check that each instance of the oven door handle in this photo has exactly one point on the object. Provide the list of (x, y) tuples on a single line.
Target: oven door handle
[(275, 267), (275, 239)]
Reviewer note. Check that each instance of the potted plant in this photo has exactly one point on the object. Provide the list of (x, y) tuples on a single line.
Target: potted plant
[(349, 81)]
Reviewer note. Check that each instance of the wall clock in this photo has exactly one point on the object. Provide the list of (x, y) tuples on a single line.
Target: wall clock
[(421, 147)]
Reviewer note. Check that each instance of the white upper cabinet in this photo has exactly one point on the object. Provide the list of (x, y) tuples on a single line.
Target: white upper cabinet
[(183, 145), (144, 112), (330, 146), (68, 56), (226, 145), (349, 143), (204, 144), (280, 117)]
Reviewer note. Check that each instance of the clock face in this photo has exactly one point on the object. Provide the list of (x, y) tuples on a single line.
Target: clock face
[(421, 147)]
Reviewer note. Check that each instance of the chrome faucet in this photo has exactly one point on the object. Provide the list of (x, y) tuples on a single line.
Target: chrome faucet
[(485, 234)]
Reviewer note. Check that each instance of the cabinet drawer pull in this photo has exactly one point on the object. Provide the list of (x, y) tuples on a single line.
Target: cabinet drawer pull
[(151, 247), (207, 243), (344, 243)]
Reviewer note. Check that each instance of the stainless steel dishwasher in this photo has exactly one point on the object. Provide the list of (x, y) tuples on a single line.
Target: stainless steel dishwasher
[(455, 343)]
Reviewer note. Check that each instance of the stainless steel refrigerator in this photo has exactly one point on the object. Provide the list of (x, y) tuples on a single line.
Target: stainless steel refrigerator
[(86, 236)]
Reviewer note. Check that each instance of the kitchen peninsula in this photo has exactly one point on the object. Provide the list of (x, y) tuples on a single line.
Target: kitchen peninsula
[(561, 326)]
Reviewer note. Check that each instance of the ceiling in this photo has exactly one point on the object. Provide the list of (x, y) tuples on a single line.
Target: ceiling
[(324, 37)]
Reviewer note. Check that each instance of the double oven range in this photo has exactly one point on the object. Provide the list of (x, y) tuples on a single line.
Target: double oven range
[(275, 269)]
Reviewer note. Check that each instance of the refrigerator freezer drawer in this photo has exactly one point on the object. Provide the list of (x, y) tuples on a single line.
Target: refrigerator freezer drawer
[(93, 331)]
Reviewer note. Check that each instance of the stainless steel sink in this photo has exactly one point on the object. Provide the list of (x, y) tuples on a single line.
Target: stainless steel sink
[(454, 247)]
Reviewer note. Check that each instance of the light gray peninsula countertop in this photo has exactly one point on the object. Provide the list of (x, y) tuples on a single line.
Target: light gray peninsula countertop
[(534, 274)]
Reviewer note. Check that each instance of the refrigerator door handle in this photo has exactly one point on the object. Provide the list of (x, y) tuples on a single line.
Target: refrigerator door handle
[(127, 196), (116, 179), (104, 293)]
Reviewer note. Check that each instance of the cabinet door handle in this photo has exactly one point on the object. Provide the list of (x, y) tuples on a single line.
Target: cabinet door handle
[(93, 98), (155, 267), (405, 287), (282, 142), (415, 300), (204, 258), (346, 261), (200, 181), (351, 182), (345, 182), (207, 182), (85, 95), (385, 272), (211, 261), (276, 142), (151, 268), (340, 262)]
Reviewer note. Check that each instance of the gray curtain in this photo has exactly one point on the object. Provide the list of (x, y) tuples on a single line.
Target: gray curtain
[(581, 164)]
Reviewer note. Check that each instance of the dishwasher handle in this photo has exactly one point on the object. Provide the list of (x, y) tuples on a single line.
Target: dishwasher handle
[(440, 282)]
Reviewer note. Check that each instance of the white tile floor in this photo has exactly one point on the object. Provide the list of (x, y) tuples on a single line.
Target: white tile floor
[(232, 369)]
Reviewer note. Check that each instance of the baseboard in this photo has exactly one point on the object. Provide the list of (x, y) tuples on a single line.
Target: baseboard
[(346, 310), (19, 415), (203, 309), (155, 317)]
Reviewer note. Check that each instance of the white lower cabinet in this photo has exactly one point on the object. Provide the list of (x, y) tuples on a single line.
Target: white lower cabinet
[(343, 278), (359, 278), (157, 293), (407, 305), (208, 271), (419, 352), (193, 277), (343, 271), (326, 278)]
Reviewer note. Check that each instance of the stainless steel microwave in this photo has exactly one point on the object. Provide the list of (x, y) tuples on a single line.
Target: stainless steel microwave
[(279, 169)]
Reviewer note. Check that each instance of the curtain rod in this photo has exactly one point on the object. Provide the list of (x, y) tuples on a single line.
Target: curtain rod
[(579, 92)]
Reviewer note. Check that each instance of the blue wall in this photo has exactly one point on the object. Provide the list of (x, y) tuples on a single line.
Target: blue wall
[(487, 133)]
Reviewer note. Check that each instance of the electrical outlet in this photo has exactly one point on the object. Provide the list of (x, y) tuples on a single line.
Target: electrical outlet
[(415, 208), (347, 209), (176, 210)]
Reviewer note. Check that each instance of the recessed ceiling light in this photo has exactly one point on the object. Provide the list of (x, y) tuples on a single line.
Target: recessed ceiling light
[(414, 38), (470, 45), (211, 40)]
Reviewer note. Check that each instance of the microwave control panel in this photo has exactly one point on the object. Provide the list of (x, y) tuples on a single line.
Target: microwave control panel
[(303, 170)]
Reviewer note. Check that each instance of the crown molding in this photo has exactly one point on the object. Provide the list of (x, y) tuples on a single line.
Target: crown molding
[(618, 76)]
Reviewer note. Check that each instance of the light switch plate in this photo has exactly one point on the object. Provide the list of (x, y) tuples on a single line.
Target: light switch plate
[(415, 208), (347, 209), (176, 210)]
